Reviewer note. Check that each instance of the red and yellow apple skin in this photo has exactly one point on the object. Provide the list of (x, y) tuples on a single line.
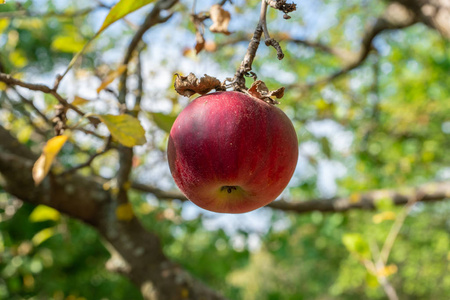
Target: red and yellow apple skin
[(232, 153)]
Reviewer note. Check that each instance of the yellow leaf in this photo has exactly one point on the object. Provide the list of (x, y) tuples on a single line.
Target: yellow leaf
[(355, 198), (24, 134), (43, 235), (110, 78), (387, 270), (386, 215), (125, 129), (44, 162), (124, 212), (18, 58), (28, 279), (79, 101), (372, 280), (29, 23), (4, 23), (44, 213), (121, 9), (68, 44)]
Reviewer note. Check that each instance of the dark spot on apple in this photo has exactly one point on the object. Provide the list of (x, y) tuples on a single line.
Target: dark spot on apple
[(229, 188)]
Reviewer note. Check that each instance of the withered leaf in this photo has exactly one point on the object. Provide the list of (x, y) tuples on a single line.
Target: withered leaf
[(200, 42), (189, 85), (260, 91), (221, 19)]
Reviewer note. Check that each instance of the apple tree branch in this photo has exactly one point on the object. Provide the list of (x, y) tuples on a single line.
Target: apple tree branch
[(434, 191)]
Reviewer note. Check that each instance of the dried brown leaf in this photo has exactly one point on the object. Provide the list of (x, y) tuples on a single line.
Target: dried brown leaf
[(260, 91), (221, 19), (190, 85), (200, 42)]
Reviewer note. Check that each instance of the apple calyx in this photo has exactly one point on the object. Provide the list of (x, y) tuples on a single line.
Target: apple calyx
[(228, 188)]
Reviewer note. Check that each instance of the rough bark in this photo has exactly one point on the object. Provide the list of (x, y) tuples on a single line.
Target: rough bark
[(433, 13), (136, 252)]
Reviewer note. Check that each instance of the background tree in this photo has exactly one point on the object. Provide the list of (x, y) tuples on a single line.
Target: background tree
[(367, 89)]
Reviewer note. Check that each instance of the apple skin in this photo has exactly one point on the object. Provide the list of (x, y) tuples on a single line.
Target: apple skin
[(232, 153)]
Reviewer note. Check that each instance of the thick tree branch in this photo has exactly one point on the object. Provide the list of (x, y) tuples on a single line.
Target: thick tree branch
[(365, 200), (433, 13), (138, 251), (395, 16), (125, 153)]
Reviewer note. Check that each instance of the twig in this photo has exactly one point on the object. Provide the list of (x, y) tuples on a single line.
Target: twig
[(238, 82), (377, 269), (268, 40), (395, 16), (24, 112), (153, 18), (140, 88), (87, 163), (8, 79), (31, 104), (26, 14), (395, 229)]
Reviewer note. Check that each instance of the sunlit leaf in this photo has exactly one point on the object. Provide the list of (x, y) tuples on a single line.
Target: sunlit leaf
[(24, 134), (79, 101), (355, 243), (326, 148), (43, 235), (371, 280), (44, 162), (384, 203), (110, 78), (18, 58), (4, 23), (384, 216), (163, 121), (121, 9), (124, 212), (67, 44), (44, 213), (125, 129), (387, 270)]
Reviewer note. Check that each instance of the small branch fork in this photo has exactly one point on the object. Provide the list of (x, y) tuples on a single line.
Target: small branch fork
[(238, 82), (190, 85)]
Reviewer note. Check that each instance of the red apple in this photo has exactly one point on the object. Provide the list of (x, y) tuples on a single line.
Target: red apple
[(232, 153)]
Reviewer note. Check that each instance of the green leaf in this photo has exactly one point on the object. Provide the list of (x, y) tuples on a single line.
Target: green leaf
[(163, 121), (385, 203), (355, 243), (67, 44), (371, 280), (121, 9), (125, 128), (44, 213), (326, 148)]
